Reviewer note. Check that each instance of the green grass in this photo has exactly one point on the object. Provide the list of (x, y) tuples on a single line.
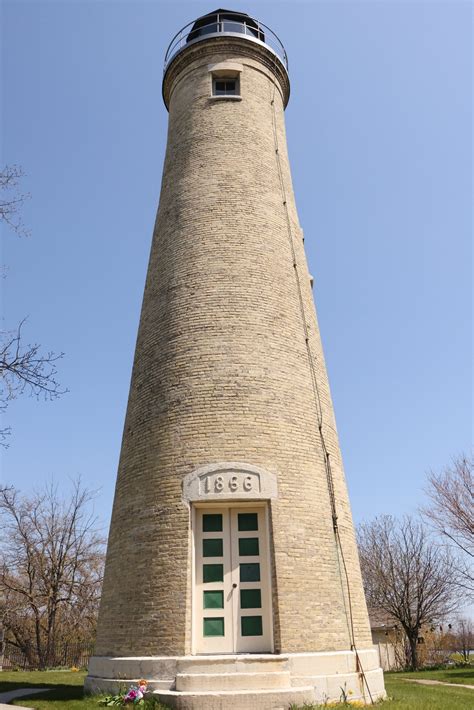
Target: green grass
[(403, 695), (446, 675), (412, 696), (9, 680), (67, 690)]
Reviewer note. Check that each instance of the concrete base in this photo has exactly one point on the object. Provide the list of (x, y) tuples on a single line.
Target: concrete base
[(265, 681)]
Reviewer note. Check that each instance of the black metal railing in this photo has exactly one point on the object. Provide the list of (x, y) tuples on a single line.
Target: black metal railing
[(64, 655), (229, 23)]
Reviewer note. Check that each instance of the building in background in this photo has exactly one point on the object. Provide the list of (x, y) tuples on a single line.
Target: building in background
[(389, 640)]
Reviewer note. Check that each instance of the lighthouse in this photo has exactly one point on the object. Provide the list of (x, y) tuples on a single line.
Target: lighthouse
[(232, 577)]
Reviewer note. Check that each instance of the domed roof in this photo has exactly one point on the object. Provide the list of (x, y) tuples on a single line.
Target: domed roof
[(224, 21)]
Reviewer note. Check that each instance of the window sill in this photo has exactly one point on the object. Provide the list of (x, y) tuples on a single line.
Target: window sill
[(229, 97)]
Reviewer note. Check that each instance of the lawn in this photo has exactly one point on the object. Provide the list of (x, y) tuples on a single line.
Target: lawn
[(446, 675), (67, 690), (412, 696)]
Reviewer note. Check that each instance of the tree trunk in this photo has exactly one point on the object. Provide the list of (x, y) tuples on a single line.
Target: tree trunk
[(413, 647), (39, 645), (51, 638)]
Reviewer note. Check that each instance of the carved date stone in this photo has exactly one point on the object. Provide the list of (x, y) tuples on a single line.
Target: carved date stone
[(229, 481)]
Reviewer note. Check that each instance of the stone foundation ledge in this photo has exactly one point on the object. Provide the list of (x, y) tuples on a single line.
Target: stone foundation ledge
[(280, 699), (188, 682)]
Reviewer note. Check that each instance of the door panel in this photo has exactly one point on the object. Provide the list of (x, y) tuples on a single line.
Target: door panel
[(232, 601), (252, 605), (213, 581)]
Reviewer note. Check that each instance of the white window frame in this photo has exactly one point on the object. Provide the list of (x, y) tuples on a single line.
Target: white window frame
[(225, 71), (218, 79)]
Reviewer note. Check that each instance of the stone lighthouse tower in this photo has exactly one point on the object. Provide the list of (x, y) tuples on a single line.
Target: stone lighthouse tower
[(232, 577)]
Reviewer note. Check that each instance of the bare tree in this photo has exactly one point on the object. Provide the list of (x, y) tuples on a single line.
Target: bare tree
[(406, 575), (23, 367), (51, 568), (464, 638), (451, 512), (12, 199)]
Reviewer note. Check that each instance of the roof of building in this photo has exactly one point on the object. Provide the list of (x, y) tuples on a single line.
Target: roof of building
[(379, 619)]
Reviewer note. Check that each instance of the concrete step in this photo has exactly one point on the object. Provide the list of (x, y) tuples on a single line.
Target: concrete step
[(115, 685), (237, 699), (232, 681), (251, 663)]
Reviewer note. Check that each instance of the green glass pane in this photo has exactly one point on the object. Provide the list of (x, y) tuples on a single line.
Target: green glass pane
[(249, 572), (248, 546), (213, 573), (248, 521), (250, 599), (251, 625), (213, 600), (212, 547), (213, 626), (212, 523)]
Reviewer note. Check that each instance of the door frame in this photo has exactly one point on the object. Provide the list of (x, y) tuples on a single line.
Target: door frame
[(219, 505)]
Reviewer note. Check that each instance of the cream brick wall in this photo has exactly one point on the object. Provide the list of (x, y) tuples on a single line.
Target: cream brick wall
[(221, 373)]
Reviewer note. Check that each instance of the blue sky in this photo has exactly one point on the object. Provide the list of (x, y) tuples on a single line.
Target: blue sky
[(379, 133)]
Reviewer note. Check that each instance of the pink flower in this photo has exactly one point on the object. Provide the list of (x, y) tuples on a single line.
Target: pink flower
[(134, 694), (131, 695)]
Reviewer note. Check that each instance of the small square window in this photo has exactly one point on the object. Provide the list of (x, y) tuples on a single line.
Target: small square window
[(248, 546), (249, 598), (215, 600), (212, 547), (213, 626), (248, 521), (251, 626), (212, 523), (225, 87), (249, 572), (212, 573)]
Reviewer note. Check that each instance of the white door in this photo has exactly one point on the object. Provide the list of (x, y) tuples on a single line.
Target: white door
[(232, 596)]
